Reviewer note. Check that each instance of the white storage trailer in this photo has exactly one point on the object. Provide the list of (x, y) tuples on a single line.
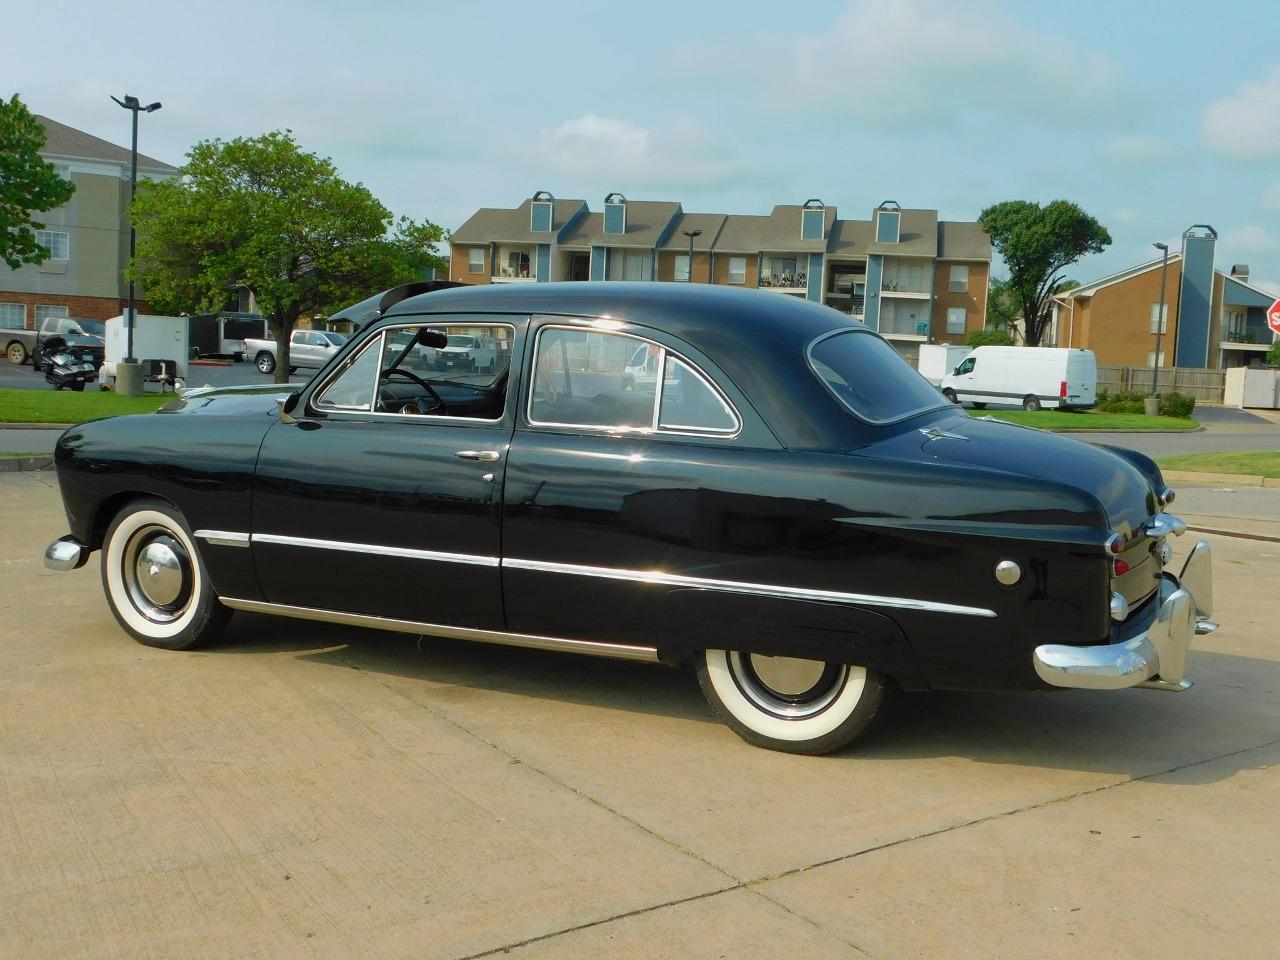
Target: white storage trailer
[(154, 338), (936, 360), (1031, 377)]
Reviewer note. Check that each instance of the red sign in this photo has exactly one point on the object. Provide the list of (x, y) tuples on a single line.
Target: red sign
[(1273, 317)]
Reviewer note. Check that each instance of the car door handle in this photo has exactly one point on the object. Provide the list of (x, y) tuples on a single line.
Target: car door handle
[(485, 456)]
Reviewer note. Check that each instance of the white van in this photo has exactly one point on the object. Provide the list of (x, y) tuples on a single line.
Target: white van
[(1032, 377)]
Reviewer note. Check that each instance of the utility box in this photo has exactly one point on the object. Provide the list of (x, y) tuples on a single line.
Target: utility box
[(939, 359), (154, 338), (1252, 387)]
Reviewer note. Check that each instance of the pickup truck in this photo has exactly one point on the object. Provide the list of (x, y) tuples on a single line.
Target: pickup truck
[(307, 348), (20, 345)]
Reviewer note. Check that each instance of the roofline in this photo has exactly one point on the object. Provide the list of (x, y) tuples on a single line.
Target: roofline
[(1249, 286), (1115, 278), (163, 168)]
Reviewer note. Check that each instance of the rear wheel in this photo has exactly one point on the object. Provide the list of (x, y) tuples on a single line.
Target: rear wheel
[(77, 385), (1030, 402), (950, 395), (155, 581), (16, 352), (790, 704), (979, 405), (266, 362)]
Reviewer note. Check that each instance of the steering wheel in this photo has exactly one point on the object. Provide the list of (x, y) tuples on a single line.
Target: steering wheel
[(440, 404)]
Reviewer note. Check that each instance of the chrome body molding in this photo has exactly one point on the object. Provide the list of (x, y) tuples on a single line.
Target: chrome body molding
[(376, 549), (66, 553), (615, 651), (223, 538), (657, 577), (1164, 525), (1155, 659)]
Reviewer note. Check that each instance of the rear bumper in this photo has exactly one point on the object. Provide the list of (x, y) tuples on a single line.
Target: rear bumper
[(1155, 658)]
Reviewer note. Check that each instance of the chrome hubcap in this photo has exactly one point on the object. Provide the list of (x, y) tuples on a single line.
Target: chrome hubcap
[(158, 574), (788, 687)]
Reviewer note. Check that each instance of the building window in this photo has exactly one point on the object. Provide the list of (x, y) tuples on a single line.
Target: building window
[(46, 311), (887, 224), (13, 316), (1164, 318), (813, 224), (517, 265), (475, 260), (1151, 359), (956, 319), (59, 244), (737, 269), (636, 267), (682, 267), (959, 278), (904, 276)]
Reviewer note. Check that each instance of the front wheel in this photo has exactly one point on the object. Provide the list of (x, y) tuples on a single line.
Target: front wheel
[(16, 352), (950, 395), (1030, 403), (979, 405), (155, 581), (266, 363), (790, 704), (77, 385)]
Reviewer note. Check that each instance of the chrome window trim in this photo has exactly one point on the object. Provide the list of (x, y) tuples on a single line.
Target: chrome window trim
[(943, 403), (733, 431), (316, 403), (617, 651), (653, 429), (223, 538), (734, 586), (376, 549)]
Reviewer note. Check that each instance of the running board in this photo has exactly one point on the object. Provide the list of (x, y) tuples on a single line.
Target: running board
[(618, 651)]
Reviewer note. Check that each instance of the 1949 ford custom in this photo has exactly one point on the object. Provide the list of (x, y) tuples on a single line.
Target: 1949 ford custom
[(784, 504)]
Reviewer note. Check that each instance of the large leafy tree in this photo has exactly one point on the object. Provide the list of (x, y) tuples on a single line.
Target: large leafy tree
[(1037, 243), (264, 214), (28, 184)]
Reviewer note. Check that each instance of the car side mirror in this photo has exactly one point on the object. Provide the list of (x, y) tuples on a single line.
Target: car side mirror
[(287, 405), (431, 338)]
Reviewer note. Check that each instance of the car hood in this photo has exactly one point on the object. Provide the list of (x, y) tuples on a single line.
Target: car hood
[(1123, 491), (230, 401)]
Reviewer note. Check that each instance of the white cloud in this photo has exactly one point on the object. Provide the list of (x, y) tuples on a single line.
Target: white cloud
[(621, 153), (1271, 198), (1246, 125), (1252, 240), (901, 63), (1136, 150)]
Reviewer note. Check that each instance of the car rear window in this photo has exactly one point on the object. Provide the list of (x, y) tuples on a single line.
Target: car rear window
[(868, 377)]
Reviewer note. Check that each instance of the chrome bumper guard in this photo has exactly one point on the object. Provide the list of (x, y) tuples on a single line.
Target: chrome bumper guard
[(1155, 659), (67, 553)]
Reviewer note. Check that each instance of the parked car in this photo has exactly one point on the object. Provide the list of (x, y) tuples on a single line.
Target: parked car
[(465, 352), (307, 348), (1033, 377), (82, 334), (794, 512)]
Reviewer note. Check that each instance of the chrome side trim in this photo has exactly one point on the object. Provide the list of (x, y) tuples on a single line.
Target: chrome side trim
[(223, 538), (755, 589), (375, 549), (617, 651)]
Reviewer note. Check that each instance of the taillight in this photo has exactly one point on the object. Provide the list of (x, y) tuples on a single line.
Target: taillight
[(1120, 567), (1062, 390), (1115, 544)]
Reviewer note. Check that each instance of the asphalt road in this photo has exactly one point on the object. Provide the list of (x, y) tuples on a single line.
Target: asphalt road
[(302, 790)]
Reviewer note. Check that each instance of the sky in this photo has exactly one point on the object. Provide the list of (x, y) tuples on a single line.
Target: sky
[(1152, 117)]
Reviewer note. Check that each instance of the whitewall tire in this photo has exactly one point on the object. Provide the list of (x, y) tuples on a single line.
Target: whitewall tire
[(155, 581), (784, 703)]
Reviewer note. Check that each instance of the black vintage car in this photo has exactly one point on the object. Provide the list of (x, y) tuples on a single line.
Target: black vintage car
[(782, 503)]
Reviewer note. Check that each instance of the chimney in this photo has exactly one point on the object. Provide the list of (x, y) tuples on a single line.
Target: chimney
[(1240, 271)]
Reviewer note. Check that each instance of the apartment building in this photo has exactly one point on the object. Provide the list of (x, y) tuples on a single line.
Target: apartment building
[(89, 235), (1211, 318), (904, 272)]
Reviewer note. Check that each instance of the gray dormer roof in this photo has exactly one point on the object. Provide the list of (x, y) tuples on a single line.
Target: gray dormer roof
[(504, 225), (72, 144), (647, 222)]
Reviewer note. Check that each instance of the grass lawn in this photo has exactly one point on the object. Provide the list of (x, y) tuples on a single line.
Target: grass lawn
[(65, 406), (1253, 463), (1087, 420)]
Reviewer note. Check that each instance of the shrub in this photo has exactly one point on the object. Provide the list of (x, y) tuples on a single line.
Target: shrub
[(1177, 405), (1122, 401), (1273, 355), (989, 338)]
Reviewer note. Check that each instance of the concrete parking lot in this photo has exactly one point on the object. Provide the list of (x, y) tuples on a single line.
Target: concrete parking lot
[(300, 790)]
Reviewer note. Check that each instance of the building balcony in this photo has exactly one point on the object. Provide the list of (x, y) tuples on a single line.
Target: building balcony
[(788, 282), (1244, 345), (904, 329), (911, 289)]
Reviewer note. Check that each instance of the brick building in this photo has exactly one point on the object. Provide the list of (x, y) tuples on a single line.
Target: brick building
[(89, 235), (904, 272)]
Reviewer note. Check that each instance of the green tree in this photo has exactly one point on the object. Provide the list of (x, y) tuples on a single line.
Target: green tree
[(264, 214), (1002, 307), (1273, 355), (991, 337), (1037, 243), (28, 184)]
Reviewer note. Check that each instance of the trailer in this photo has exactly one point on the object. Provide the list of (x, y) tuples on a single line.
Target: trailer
[(939, 359), (220, 334), (155, 338)]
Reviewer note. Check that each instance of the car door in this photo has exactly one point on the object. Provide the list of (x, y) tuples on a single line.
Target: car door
[(964, 379), (363, 508), (301, 353)]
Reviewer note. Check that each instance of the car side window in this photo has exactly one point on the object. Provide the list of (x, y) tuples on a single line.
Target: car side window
[(299, 336), (966, 366), (614, 381), (318, 340), (353, 387)]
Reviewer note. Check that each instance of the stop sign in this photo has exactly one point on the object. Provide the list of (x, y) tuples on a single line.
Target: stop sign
[(1273, 317)]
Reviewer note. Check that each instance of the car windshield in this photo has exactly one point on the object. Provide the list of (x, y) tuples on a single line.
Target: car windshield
[(870, 378), (94, 328), (462, 341)]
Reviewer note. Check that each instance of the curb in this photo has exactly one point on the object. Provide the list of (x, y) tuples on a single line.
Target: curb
[(37, 426), (1235, 479), (41, 461), (1199, 429)]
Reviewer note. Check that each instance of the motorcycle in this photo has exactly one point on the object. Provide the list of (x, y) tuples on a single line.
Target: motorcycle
[(64, 365)]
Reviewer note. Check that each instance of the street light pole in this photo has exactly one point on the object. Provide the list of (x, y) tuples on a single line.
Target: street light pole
[(134, 106), (691, 234), (1155, 359)]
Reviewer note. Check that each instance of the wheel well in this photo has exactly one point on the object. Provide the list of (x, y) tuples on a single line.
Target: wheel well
[(111, 507), (263, 353)]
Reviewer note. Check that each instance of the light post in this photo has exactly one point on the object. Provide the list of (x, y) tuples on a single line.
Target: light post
[(691, 234), (131, 383), (1155, 358)]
